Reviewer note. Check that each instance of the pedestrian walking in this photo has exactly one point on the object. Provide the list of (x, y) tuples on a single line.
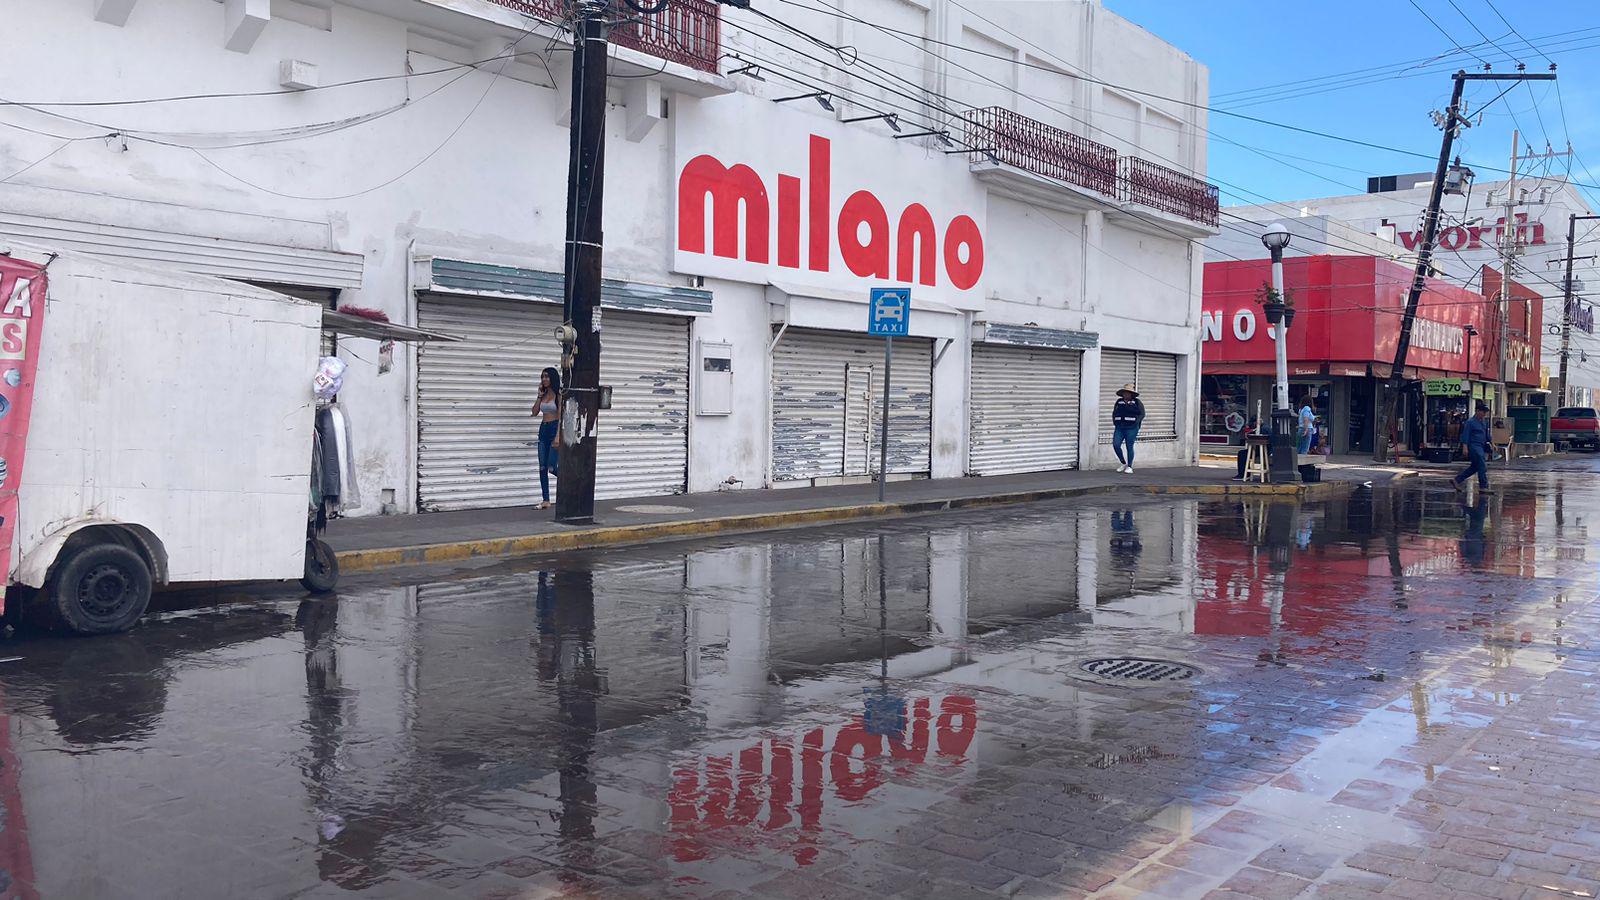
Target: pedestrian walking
[(548, 409), (1126, 417), (1475, 435), (1308, 427)]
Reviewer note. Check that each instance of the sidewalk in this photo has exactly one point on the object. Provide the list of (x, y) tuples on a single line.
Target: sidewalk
[(382, 542)]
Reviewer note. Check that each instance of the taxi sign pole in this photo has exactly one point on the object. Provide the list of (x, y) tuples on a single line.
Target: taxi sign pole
[(883, 434), (888, 314)]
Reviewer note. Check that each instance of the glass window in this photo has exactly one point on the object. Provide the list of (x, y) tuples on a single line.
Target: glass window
[(1223, 408)]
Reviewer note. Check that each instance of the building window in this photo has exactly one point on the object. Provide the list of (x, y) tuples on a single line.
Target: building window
[(1224, 408)]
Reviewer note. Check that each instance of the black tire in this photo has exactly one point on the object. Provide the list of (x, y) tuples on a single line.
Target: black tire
[(99, 589), (322, 568)]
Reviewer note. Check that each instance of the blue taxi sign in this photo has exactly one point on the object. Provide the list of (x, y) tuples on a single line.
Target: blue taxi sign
[(889, 312)]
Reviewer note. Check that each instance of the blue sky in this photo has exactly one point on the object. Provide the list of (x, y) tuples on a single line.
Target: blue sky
[(1252, 45)]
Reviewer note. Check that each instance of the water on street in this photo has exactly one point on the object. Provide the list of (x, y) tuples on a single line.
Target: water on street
[(1390, 692)]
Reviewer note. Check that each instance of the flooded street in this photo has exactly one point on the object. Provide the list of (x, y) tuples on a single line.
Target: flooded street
[(1158, 696)]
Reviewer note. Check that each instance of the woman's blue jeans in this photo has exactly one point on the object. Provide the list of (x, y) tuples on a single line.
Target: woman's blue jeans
[(549, 461), (1124, 434)]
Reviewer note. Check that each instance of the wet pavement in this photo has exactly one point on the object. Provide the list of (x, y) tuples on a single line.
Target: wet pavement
[(1388, 694)]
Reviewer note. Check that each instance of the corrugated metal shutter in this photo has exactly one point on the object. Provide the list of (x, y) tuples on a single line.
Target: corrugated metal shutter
[(1025, 404), (202, 255), (478, 445), (1156, 377), (1158, 380), (811, 371)]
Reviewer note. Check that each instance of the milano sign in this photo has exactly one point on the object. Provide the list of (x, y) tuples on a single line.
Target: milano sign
[(825, 205)]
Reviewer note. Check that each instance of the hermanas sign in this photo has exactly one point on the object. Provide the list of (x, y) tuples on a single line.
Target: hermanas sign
[(765, 193)]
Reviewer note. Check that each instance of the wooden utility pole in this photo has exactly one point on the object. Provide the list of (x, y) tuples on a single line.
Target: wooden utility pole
[(1569, 300), (580, 337), (1453, 120)]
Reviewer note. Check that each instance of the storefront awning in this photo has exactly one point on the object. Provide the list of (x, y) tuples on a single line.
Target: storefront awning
[(455, 276), (1033, 336), (346, 325), (1239, 368)]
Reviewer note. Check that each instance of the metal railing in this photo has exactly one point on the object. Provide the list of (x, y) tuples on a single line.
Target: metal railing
[(1033, 146), (688, 32), (1168, 190)]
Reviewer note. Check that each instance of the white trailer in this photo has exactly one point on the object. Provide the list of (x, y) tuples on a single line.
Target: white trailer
[(169, 441)]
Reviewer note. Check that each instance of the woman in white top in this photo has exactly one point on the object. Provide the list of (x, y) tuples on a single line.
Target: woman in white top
[(547, 408)]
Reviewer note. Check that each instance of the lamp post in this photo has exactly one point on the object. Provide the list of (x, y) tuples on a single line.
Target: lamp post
[(1285, 463), (1471, 332)]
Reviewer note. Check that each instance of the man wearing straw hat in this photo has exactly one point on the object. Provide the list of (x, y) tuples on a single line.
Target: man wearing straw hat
[(1126, 417)]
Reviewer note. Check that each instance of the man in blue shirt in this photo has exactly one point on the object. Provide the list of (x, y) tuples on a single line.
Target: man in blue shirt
[(1475, 435)]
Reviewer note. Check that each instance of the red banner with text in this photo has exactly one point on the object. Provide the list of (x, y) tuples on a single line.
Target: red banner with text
[(22, 290)]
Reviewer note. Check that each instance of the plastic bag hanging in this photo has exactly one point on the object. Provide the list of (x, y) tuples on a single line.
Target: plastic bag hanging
[(329, 378)]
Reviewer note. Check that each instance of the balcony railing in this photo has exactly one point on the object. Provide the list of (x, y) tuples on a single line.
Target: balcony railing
[(1168, 190), (1033, 146), (689, 32)]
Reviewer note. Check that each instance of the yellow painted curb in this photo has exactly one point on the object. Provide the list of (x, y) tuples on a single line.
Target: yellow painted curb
[(357, 561), (354, 561)]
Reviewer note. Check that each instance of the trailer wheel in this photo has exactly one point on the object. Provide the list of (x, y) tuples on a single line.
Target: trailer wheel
[(322, 567), (99, 589)]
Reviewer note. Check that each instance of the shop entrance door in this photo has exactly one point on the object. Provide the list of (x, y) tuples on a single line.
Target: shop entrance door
[(858, 418), (1361, 415)]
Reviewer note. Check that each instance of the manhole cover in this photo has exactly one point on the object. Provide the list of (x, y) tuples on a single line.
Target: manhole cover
[(659, 509), (1134, 668)]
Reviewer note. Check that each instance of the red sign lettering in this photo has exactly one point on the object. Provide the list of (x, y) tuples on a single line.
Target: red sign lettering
[(716, 799), (910, 252)]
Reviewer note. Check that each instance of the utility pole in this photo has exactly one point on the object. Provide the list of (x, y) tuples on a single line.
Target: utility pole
[(1453, 119), (1568, 301), (1511, 246), (580, 330), (1508, 259)]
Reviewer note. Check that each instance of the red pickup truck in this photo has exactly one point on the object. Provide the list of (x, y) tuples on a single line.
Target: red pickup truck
[(1575, 425)]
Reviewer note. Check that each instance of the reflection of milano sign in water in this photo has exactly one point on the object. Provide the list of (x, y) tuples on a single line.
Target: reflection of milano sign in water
[(761, 789)]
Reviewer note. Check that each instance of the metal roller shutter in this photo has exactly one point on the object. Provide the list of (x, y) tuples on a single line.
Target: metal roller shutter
[(826, 392), (1156, 377), (1024, 409), (477, 444), (1158, 380)]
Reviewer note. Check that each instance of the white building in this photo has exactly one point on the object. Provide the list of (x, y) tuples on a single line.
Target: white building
[(1036, 184), (1469, 238)]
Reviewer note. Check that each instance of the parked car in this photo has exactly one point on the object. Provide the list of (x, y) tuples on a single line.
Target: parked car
[(1576, 425)]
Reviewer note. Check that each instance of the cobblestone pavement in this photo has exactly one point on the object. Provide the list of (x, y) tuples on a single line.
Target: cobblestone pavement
[(1387, 696)]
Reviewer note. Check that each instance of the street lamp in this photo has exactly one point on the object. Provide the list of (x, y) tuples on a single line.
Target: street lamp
[(1285, 465), (1471, 332)]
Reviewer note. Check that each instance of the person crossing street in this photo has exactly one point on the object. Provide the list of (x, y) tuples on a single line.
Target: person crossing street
[(1475, 435), (1126, 417)]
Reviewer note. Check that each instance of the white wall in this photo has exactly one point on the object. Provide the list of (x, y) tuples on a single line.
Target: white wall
[(471, 164)]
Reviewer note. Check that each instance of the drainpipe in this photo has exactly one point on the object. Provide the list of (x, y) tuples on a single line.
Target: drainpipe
[(782, 328)]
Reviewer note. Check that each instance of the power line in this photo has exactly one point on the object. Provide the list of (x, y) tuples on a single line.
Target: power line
[(1507, 22)]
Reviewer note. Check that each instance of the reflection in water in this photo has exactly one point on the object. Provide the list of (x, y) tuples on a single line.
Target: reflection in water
[(1473, 548), (566, 638), (728, 698)]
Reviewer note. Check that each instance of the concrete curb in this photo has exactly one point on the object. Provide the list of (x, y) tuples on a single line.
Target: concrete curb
[(372, 560)]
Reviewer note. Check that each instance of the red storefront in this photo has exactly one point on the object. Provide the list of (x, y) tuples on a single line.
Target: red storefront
[(1342, 342)]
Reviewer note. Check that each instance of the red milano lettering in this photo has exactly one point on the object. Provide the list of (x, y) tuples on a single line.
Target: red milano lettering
[(907, 248), (775, 790)]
